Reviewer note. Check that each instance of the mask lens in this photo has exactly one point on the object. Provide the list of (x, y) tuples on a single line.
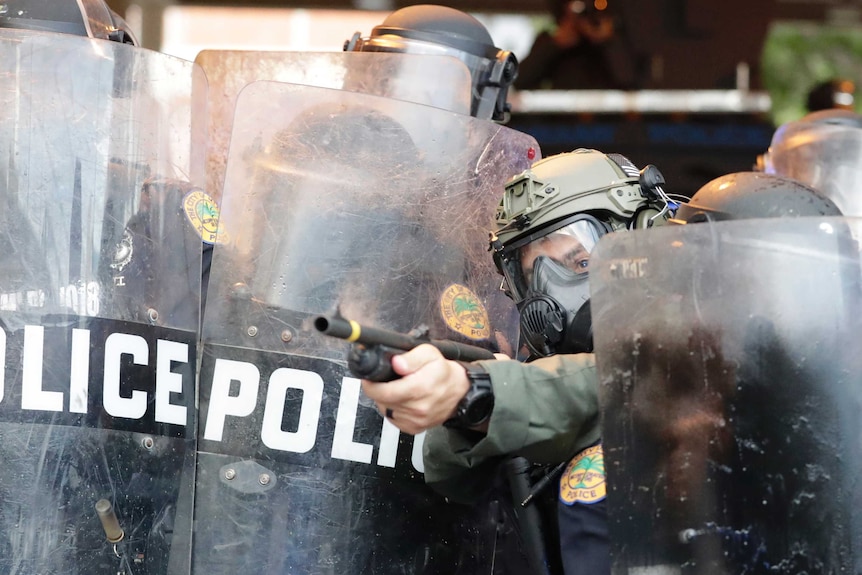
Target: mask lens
[(568, 247)]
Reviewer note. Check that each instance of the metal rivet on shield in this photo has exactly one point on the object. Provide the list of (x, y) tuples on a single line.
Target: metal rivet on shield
[(264, 479), (147, 442), (251, 331), (286, 336), (230, 474), (153, 315)]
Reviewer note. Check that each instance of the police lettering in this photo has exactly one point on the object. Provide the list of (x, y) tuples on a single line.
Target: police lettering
[(245, 378), (35, 395), (629, 268)]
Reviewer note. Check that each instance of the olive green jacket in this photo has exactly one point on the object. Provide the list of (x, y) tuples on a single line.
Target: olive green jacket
[(546, 411)]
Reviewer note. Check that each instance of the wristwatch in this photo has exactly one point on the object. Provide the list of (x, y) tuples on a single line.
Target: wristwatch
[(475, 407)]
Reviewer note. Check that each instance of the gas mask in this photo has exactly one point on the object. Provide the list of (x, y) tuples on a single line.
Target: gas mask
[(547, 275)]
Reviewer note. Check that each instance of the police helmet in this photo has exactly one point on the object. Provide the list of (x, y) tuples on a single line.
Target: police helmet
[(91, 18), (747, 195), (439, 30), (824, 150), (549, 220)]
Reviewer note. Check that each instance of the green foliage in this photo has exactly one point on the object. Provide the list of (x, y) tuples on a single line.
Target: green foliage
[(798, 55)]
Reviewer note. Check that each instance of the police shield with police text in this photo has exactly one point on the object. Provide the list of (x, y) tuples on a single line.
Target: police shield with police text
[(336, 207), (97, 387)]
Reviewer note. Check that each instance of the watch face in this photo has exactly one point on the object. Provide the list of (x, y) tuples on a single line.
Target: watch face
[(479, 408)]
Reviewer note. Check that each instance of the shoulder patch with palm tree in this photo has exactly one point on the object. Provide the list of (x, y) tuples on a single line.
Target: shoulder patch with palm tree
[(584, 478)]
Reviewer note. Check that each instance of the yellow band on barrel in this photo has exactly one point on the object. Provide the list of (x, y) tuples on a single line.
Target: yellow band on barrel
[(355, 330)]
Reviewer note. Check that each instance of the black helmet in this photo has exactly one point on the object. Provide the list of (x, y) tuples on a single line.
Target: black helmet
[(747, 195), (564, 204), (431, 29), (91, 18)]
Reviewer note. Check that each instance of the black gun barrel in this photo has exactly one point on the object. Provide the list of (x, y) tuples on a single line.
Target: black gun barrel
[(529, 521), (353, 332)]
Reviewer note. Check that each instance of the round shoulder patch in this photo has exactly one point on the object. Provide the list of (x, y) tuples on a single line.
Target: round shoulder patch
[(584, 478), (203, 213), (464, 313)]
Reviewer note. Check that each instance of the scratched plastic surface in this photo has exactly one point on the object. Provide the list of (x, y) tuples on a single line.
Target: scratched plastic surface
[(410, 77), (341, 201), (731, 384), (83, 123)]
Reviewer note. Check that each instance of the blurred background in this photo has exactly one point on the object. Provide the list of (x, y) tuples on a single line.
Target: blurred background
[(713, 79)]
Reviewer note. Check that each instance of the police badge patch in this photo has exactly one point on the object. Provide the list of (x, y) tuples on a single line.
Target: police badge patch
[(584, 478), (464, 313), (203, 213), (123, 252)]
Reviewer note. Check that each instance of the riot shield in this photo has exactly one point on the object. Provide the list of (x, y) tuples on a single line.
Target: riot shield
[(729, 362), (823, 150), (409, 77), (330, 206), (99, 308)]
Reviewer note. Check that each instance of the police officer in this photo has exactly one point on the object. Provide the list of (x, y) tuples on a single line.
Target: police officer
[(430, 29), (548, 221)]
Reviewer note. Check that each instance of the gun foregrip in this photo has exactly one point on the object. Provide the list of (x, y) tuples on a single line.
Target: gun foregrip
[(372, 362), (460, 351)]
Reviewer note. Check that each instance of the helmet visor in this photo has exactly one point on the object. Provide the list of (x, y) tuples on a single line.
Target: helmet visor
[(481, 67), (825, 156), (90, 18), (566, 247)]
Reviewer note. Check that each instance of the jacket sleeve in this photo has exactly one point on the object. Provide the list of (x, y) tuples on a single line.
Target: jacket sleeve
[(546, 411)]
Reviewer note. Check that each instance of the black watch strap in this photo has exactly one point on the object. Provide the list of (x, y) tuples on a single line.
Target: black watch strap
[(476, 406)]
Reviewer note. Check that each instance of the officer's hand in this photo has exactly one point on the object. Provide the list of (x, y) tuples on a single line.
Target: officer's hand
[(427, 393)]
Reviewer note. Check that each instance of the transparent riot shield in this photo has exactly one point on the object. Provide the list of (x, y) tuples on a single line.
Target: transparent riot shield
[(731, 382), (331, 206), (409, 77), (99, 308), (823, 150)]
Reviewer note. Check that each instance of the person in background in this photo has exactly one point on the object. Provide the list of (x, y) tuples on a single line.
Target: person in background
[(836, 93), (586, 51)]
